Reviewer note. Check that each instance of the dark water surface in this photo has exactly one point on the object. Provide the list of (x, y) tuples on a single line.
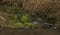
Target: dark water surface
[(30, 32)]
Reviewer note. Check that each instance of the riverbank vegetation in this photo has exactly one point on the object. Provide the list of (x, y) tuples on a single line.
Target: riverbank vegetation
[(17, 15)]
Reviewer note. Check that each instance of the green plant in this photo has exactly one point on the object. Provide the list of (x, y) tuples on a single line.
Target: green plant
[(18, 25), (39, 19), (30, 25), (25, 18)]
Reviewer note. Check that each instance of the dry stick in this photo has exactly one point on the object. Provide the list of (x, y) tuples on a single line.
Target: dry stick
[(3, 20)]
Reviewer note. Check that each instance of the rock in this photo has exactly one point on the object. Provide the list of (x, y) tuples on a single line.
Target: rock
[(35, 22)]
